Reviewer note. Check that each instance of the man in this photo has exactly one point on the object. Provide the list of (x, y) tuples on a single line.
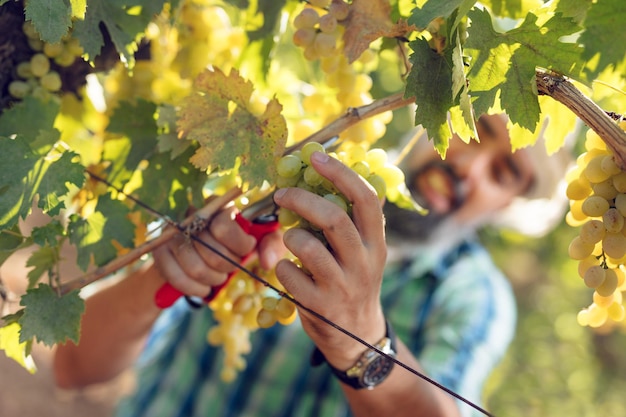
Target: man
[(442, 308)]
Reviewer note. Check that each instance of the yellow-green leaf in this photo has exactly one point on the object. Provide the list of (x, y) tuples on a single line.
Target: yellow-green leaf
[(10, 343), (219, 117)]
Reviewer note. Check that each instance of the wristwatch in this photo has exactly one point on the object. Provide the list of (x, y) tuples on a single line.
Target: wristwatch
[(370, 369)]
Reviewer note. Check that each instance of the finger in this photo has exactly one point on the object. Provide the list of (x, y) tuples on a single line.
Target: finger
[(367, 212), (212, 255), (271, 249), (193, 265), (334, 222), (172, 272), (228, 233), (296, 282), (314, 256)]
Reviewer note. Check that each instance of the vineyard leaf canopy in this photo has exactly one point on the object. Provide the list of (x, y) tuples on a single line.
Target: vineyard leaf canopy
[(52, 19), (94, 236), (430, 79), (604, 25), (217, 116), (522, 49), (124, 20), (50, 318)]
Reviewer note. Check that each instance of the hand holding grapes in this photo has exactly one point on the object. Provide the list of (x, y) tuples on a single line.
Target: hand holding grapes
[(340, 281), (193, 269)]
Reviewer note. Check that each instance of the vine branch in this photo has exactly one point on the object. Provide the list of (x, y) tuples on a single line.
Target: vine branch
[(563, 91), (351, 117)]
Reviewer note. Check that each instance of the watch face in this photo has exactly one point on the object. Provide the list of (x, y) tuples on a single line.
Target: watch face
[(377, 370)]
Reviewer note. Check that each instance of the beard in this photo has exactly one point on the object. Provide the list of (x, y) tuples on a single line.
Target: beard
[(408, 232), (406, 225)]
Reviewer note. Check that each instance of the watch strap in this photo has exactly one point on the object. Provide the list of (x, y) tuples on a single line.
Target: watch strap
[(318, 358)]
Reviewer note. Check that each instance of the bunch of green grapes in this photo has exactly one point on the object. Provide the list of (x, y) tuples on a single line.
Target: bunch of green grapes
[(295, 170), (240, 308), (38, 76), (319, 28), (597, 193)]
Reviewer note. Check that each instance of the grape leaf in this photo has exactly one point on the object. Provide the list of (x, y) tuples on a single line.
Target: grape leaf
[(122, 22), (604, 34), (14, 348), (166, 184), (52, 19), (48, 234), (216, 115), (432, 9), (19, 118), (53, 185), (512, 8), (430, 82), (43, 260), (10, 241), (271, 11), (137, 140), (576, 9), (16, 193), (520, 51), (94, 236), (367, 21), (49, 318)]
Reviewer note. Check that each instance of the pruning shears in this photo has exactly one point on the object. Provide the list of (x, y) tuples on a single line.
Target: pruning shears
[(258, 227)]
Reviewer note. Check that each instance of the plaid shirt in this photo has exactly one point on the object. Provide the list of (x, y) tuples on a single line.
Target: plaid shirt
[(455, 312)]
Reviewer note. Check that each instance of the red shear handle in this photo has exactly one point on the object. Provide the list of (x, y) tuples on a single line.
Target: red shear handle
[(167, 294)]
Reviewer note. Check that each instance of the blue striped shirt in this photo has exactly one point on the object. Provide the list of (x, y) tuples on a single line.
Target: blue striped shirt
[(455, 312)]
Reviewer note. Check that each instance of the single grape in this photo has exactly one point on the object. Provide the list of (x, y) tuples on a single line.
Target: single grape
[(285, 307), (614, 245), (616, 312), (592, 232), (289, 166), (325, 44), (338, 200), (379, 185), (312, 177), (265, 319), (595, 276), (595, 206), (578, 189), (304, 37), (307, 18), (328, 23), (594, 172), (53, 49), (362, 168), (287, 218), (51, 81), (613, 220), (308, 149), (39, 65), (578, 249), (339, 9), (609, 285), (23, 70), (19, 89)]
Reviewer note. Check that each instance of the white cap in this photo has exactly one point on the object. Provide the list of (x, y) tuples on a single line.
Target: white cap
[(544, 205)]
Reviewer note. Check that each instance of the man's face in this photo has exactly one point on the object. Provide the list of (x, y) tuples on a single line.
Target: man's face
[(473, 182)]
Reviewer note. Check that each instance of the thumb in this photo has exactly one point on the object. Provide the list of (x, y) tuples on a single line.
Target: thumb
[(271, 249)]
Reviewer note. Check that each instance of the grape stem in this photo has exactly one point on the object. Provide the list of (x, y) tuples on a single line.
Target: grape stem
[(562, 90)]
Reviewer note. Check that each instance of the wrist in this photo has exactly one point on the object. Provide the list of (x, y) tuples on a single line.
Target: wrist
[(372, 366)]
